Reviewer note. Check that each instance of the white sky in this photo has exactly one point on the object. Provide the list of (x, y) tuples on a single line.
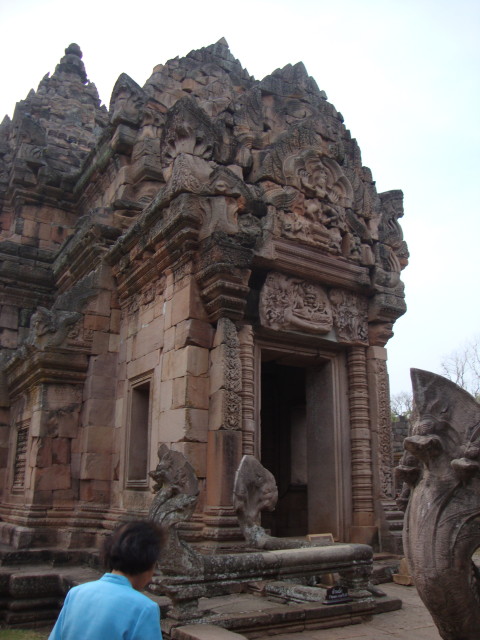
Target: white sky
[(404, 73)]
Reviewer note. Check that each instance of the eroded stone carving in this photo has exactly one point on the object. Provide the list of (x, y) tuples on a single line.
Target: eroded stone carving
[(188, 130), (51, 328), (126, 102), (349, 316), (441, 467), (255, 490), (176, 495), (292, 304)]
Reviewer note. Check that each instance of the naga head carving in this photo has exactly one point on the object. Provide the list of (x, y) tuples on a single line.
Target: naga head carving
[(176, 488), (441, 467), (176, 495), (447, 425), (255, 490)]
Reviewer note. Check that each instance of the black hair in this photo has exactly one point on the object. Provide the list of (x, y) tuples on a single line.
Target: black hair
[(133, 547)]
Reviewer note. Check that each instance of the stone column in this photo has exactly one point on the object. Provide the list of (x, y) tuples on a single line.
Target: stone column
[(363, 517), (224, 444), (247, 392)]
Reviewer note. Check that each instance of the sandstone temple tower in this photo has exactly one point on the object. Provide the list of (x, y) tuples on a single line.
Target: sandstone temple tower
[(207, 265)]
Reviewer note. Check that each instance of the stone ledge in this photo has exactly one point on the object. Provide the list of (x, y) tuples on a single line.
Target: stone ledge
[(204, 632)]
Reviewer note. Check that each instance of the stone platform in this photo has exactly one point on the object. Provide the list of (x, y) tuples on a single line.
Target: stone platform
[(252, 616), (33, 584), (411, 622)]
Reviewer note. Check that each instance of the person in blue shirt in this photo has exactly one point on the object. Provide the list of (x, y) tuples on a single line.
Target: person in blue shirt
[(113, 606)]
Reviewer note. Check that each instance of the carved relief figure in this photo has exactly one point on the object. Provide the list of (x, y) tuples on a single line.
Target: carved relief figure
[(188, 130), (318, 176), (319, 215), (291, 304), (51, 328), (391, 253), (349, 316), (441, 467)]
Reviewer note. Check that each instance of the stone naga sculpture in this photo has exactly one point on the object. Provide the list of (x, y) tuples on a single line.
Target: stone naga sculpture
[(254, 491), (187, 575), (176, 495), (441, 469)]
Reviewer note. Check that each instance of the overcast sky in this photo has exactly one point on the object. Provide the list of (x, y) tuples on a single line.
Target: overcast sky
[(404, 74)]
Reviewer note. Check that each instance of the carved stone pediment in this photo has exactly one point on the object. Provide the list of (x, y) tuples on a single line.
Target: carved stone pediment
[(188, 129), (127, 101), (292, 304)]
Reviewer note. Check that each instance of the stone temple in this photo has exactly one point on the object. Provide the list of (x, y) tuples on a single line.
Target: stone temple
[(205, 265)]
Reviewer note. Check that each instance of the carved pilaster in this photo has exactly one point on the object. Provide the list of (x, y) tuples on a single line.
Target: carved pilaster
[(362, 477), (381, 423), (225, 379), (247, 359), (224, 446)]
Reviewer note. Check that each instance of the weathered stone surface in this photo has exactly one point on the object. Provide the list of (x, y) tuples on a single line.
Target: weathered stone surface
[(255, 491), (440, 471), (204, 632), (21, 586)]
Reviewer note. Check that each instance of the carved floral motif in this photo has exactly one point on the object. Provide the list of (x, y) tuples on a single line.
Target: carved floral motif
[(229, 348)]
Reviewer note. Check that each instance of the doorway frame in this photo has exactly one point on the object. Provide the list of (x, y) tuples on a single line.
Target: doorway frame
[(334, 357)]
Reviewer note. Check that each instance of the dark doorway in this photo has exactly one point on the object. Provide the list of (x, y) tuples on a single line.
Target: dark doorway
[(305, 442), (284, 446)]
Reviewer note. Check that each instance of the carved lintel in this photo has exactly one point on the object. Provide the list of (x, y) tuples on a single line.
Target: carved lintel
[(292, 304)]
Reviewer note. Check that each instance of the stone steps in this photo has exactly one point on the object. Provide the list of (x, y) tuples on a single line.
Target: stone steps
[(394, 520), (33, 584), (32, 595)]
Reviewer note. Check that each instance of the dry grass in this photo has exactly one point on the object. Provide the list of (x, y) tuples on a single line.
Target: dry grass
[(23, 634)]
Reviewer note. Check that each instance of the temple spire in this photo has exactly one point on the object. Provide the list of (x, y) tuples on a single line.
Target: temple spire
[(71, 63)]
